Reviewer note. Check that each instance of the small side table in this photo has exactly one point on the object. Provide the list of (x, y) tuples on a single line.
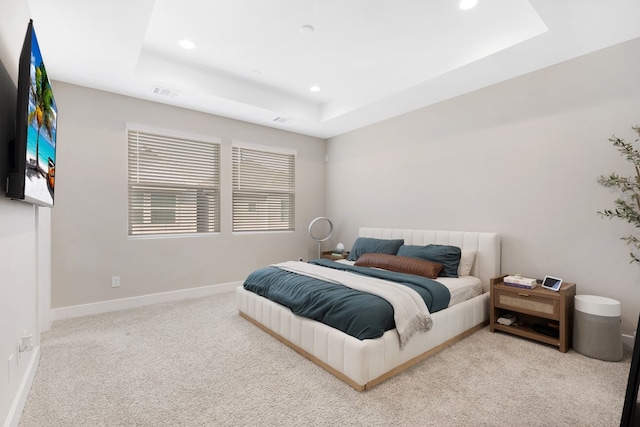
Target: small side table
[(330, 255), (534, 306)]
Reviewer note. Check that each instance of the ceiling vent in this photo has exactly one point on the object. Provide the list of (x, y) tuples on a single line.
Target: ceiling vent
[(163, 91), (283, 120)]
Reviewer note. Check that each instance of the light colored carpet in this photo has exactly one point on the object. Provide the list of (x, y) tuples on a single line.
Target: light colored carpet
[(198, 363)]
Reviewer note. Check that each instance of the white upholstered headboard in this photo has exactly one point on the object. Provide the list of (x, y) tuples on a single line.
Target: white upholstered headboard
[(486, 245)]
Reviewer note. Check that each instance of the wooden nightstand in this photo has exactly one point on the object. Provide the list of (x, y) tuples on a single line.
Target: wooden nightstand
[(537, 306), (329, 255)]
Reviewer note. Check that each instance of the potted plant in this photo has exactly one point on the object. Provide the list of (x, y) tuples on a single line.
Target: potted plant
[(627, 206)]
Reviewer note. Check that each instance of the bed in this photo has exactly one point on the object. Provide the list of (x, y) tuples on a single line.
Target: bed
[(367, 362)]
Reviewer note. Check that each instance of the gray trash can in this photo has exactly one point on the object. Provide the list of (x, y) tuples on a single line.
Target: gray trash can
[(596, 327)]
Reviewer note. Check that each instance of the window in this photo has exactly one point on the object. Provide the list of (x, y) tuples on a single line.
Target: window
[(173, 184), (263, 189)]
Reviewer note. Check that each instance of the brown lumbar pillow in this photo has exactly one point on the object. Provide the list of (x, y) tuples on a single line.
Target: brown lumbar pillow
[(401, 264)]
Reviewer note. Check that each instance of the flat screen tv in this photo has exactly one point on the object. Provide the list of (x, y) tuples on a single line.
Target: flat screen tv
[(32, 153)]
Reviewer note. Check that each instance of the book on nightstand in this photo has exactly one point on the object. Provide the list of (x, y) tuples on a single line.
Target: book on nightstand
[(520, 282)]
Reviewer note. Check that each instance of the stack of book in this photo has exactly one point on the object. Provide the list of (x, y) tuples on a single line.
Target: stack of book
[(520, 282)]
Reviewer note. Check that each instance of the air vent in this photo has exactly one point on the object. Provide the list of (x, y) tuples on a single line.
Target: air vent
[(163, 91), (283, 120)]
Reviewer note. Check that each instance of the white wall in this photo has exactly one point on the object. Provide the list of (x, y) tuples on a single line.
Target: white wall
[(18, 301), (519, 158), (89, 221), (24, 233)]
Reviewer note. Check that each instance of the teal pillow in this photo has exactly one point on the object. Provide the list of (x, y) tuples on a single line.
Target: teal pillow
[(367, 245), (449, 256)]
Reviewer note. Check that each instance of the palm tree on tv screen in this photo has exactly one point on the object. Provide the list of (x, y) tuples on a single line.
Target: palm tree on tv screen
[(43, 101)]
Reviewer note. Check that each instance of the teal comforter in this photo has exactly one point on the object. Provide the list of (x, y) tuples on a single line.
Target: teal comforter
[(359, 314)]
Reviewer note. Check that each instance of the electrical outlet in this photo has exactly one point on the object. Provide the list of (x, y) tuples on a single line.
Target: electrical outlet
[(25, 342), (115, 282)]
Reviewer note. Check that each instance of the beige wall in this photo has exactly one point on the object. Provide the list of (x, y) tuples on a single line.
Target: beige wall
[(519, 158), (89, 221)]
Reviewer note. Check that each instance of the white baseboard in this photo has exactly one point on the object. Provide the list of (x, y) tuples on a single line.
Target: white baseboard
[(15, 412), (124, 303), (628, 341)]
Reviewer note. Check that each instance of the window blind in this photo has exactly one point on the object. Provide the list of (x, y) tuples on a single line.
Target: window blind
[(173, 184), (263, 190)]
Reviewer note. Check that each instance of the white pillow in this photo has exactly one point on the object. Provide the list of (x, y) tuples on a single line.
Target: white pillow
[(466, 262)]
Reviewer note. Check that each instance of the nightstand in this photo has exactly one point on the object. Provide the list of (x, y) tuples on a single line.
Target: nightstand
[(329, 255), (533, 307)]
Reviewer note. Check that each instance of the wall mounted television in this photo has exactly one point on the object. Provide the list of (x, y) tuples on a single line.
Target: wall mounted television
[(32, 153)]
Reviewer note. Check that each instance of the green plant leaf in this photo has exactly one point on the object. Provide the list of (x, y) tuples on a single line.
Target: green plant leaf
[(628, 208)]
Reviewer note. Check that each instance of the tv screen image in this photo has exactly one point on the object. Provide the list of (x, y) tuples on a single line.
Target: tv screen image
[(32, 174)]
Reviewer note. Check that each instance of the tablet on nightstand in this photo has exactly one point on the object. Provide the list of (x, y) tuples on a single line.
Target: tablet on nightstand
[(552, 283)]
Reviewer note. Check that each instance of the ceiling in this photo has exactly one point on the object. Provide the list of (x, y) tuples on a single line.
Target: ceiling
[(371, 59)]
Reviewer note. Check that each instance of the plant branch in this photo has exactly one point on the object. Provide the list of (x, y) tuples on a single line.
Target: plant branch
[(628, 208)]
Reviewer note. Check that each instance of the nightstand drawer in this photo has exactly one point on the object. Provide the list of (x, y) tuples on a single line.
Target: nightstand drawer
[(525, 302)]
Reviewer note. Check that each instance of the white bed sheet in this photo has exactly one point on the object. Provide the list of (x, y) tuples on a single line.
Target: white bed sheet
[(461, 288)]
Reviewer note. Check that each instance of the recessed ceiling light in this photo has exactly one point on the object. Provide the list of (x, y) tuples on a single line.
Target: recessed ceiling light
[(314, 88), (187, 44), (306, 29), (467, 4)]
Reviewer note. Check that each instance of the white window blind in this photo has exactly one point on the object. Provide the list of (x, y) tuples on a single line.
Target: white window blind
[(173, 184), (263, 190)]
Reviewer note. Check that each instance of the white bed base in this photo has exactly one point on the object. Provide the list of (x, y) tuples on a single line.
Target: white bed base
[(365, 363)]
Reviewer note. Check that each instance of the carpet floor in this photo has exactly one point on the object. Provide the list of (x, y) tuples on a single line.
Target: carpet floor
[(198, 363)]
